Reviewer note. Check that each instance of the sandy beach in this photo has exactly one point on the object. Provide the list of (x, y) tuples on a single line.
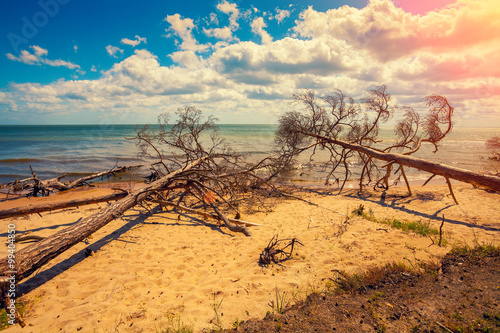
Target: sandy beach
[(151, 272)]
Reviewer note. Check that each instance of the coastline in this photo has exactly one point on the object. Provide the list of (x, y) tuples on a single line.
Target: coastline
[(149, 271)]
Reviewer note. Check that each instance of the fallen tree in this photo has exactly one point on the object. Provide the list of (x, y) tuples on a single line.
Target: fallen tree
[(45, 187), (31, 258), (34, 209), (211, 177), (349, 131)]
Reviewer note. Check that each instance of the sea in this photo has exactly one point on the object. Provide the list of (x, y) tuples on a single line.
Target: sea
[(79, 150)]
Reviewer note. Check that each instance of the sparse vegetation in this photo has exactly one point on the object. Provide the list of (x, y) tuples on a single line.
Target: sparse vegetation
[(280, 302), (217, 313), (420, 228), (4, 319), (398, 298)]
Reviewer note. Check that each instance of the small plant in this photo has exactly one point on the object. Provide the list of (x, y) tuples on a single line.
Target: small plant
[(280, 301), (216, 307), (360, 211), (176, 326), (418, 227), (375, 297), (370, 279), (237, 323), (4, 319)]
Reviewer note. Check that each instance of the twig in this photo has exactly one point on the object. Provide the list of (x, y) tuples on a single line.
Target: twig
[(451, 190), (441, 232), (428, 180), (406, 180), (444, 327)]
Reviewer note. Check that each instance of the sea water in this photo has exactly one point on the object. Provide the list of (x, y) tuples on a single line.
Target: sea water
[(78, 150)]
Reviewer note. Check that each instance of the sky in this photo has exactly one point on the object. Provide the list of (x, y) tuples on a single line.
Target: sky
[(126, 62)]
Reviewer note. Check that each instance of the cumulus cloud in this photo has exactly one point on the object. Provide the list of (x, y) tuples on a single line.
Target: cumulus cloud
[(138, 40), (453, 51), (258, 26), (389, 33), (232, 10), (281, 14), (220, 33), (182, 28), (113, 50), (38, 58)]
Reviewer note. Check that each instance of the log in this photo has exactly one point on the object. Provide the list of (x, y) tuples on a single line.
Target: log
[(55, 183), (20, 211), (485, 181), (31, 258)]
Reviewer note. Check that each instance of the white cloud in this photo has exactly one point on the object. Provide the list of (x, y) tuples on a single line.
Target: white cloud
[(232, 10), (258, 26), (220, 33), (113, 50), (93, 69), (182, 28), (347, 48), (187, 59), (138, 40), (75, 48), (38, 58), (281, 14), (39, 52), (389, 33)]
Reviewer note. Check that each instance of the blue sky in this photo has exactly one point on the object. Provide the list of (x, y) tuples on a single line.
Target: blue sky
[(71, 61)]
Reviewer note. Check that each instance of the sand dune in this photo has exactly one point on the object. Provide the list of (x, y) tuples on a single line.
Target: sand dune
[(149, 272)]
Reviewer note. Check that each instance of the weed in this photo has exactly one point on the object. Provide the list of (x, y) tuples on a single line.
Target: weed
[(280, 301), (216, 307), (176, 326), (370, 279), (237, 323), (418, 227), (4, 319), (376, 296)]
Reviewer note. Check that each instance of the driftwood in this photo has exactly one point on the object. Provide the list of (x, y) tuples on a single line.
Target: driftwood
[(447, 171), (45, 187), (31, 258), (272, 253), (20, 211), (348, 130)]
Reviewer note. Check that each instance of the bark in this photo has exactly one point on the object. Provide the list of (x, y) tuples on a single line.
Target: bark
[(20, 211), (449, 172), (31, 258)]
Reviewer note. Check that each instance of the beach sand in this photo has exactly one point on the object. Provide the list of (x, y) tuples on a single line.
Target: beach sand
[(149, 273)]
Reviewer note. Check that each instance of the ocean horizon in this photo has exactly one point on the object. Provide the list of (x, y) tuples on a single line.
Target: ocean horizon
[(78, 150)]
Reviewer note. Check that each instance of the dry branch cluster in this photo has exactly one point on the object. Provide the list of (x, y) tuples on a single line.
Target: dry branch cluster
[(34, 185), (349, 132)]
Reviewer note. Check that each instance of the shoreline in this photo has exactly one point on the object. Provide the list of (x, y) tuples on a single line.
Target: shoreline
[(146, 272)]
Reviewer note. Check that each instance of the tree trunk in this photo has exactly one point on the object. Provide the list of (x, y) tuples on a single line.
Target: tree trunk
[(447, 171), (19, 211), (31, 258)]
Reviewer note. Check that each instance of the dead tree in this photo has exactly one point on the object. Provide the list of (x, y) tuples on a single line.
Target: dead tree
[(192, 171), (34, 209), (31, 258), (45, 187), (348, 131)]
